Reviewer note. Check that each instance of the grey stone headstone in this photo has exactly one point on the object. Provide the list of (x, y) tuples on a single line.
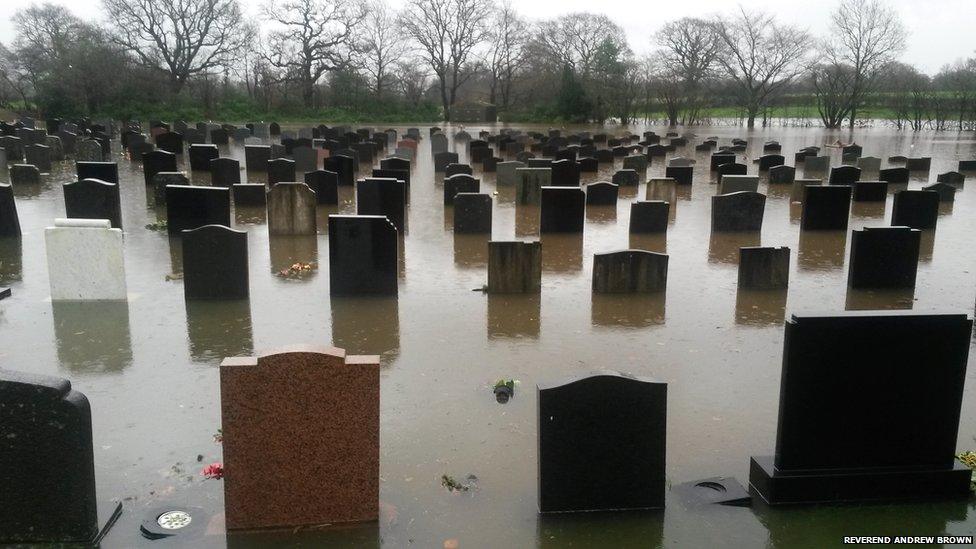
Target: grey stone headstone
[(505, 173), (630, 272), (514, 267), (736, 183), (738, 211), (89, 150), (529, 183), (764, 268), (291, 209)]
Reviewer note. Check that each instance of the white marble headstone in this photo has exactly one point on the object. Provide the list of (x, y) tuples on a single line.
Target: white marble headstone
[(84, 260)]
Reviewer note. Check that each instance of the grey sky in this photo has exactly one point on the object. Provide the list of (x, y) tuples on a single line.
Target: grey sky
[(941, 31)]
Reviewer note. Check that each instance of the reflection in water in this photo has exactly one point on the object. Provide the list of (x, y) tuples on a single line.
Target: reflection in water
[(367, 325), (219, 329), (650, 242), (562, 252), (879, 299), (821, 250), (250, 215), (176, 254), (471, 250), (779, 191), (601, 214), (760, 307), (945, 208), (514, 315), (448, 217), (926, 245), (628, 310), (683, 192), (724, 247), (29, 190), (11, 259), (527, 220), (824, 525), (868, 210), (627, 192), (505, 194), (288, 250), (610, 530), (339, 536), (92, 336), (796, 212)]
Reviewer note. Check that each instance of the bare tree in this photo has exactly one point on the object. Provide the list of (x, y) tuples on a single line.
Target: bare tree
[(866, 35), (576, 38), (688, 49), (383, 45), (313, 37), (507, 55), (413, 81), (182, 38), (760, 56), (447, 32)]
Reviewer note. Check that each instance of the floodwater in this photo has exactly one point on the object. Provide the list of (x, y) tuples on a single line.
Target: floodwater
[(150, 367)]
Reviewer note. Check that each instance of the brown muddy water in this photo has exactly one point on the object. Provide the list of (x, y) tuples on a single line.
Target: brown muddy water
[(150, 367)]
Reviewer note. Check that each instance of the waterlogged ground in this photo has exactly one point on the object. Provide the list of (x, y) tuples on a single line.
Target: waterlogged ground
[(150, 368)]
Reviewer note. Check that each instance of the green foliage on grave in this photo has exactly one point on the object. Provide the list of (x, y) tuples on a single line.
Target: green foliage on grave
[(969, 460)]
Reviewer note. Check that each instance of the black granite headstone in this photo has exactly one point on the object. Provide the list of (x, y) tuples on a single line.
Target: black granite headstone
[(915, 209), (385, 197), (215, 263), (782, 174), (738, 211), (884, 257), (732, 168), (472, 213), (104, 171), (281, 169), (225, 172), (201, 155), (626, 178), (250, 194), (362, 255), (565, 173), (442, 159), (768, 161), (454, 169), (171, 142), (93, 199), (256, 157), (649, 216), (844, 175), (325, 184), (154, 162), (826, 207), (9, 221), (681, 174), (870, 191), (47, 462), (602, 193), (562, 210), (718, 159), (869, 409), (189, 207), (894, 175), (344, 166), (460, 183), (584, 425), (764, 268)]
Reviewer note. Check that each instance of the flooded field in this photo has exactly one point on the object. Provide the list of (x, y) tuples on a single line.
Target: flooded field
[(150, 366)]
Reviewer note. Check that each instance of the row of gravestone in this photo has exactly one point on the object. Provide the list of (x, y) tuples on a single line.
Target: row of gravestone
[(601, 438)]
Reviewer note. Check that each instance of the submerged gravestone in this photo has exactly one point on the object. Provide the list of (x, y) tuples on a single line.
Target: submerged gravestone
[(291, 210), (947, 192), (189, 207), (826, 207), (505, 172), (281, 169), (764, 268), (681, 174), (649, 216), (215, 263), (870, 191), (47, 464), (154, 162), (738, 183), (104, 171), (602, 193), (362, 255), (38, 155), (782, 175), (844, 175), (201, 155), (629, 272), (869, 409), (626, 178), (529, 183), (472, 213), (514, 267), (315, 412), (383, 196), (162, 180), (256, 157), (884, 257), (459, 183), (84, 260), (915, 209), (325, 184), (562, 210), (894, 175), (738, 211), (9, 220), (225, 172), (24, 174), (582, 425), (93, 199), (344, 166)]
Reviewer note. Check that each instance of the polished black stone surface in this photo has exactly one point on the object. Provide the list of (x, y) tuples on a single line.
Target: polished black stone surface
[(602, 444), (154, 162), (189, 207), (826, 207), (738, 211), (915, 209), (472, 213), (362, 255), (225, 172), (459, 183), (844, 175), (562, 210), (602, 193), (215, 263), (93, 199), (379, 196), (104, 171), (870, 191), (884, 257), (201, 155), (344, 166), (325, 184), (9, 220)]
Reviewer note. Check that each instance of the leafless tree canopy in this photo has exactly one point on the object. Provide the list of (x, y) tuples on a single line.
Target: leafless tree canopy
[(184, 38), (383, 45), (507, 55)]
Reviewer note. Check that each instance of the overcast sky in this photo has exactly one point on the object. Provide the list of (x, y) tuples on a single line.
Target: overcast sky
[(941, 31)]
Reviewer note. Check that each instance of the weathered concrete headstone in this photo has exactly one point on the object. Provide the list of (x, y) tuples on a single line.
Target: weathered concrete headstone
[(630, 271), (915, 209), (362, 255), (764, 268), (298, 452), (563, 210), (93, 199), (215, 263), (9, 221), (896, 443), (189, 207), (884, 257), (506, 172), (529, 183), (583, 423), (291, 209), (738, 211), (826, 207), (84, 260), (47, 463), (514, 267)]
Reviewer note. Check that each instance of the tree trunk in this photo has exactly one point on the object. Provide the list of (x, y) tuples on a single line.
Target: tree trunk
[(444, 100), (308, 93)]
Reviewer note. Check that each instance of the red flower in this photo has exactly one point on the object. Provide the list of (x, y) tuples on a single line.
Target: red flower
[(214, 470)]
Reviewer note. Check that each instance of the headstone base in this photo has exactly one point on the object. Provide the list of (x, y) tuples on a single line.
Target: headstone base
[(839, 485)]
